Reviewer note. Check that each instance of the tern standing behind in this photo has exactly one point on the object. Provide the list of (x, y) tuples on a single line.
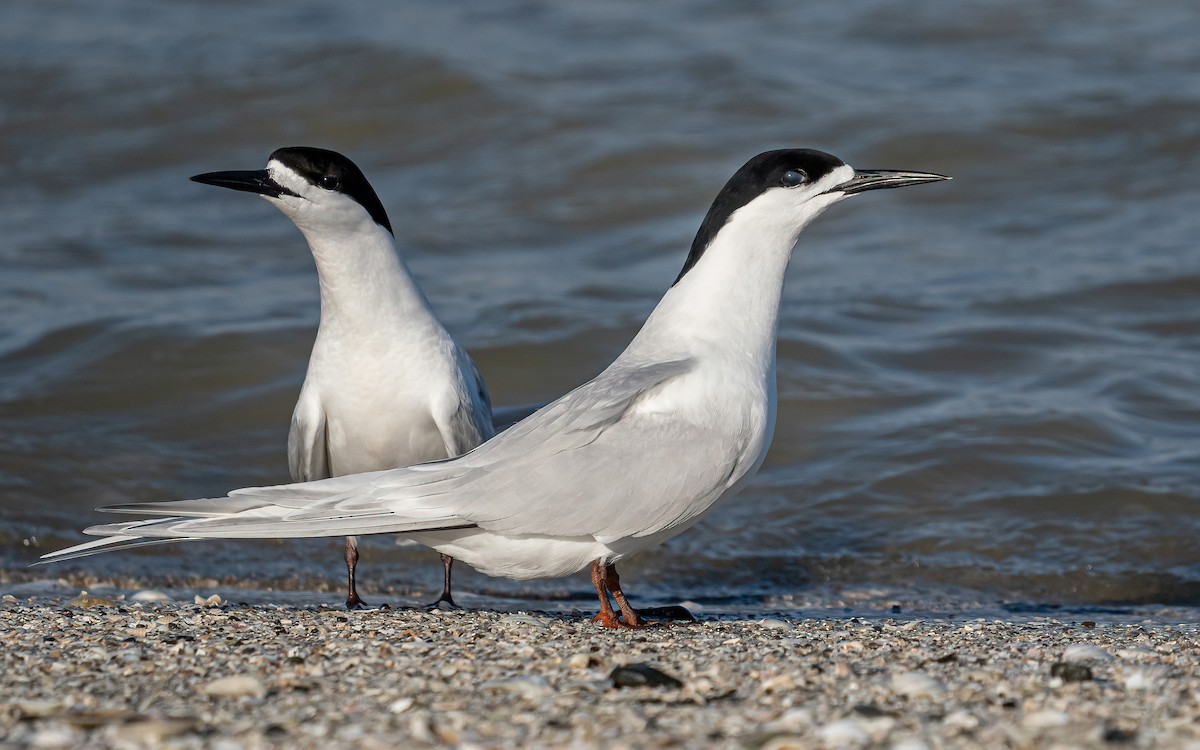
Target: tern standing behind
[(681, 419), (386, 385)]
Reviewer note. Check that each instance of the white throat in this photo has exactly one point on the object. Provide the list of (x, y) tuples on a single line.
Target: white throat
[(729, 300), (367, 290), (362, 275), (365, 285)]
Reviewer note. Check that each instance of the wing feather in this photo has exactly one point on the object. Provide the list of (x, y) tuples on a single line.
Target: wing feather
[(107, 544), (308, 446)]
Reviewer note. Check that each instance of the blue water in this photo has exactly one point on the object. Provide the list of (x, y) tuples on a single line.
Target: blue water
[(991, 388)]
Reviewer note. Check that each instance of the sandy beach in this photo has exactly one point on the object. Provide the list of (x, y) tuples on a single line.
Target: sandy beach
[(131, 669)]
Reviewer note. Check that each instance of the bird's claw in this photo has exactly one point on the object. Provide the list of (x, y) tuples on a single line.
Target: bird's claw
[(615, 621), (608, 620), (443, 602)]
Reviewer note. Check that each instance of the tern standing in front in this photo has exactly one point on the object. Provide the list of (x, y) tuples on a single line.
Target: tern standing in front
[(681, 419), (386, 385)]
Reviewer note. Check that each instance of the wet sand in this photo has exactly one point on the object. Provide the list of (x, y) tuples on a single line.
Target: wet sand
[(131, 669)]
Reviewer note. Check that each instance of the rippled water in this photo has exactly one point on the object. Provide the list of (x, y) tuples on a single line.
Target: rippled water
[(991, 385)]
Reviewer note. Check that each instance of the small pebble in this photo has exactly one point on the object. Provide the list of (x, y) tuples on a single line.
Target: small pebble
[(532, 687), (1045, 719), (1144, 676), (1069, 672), (35, 709), (915, 684), (56, 737), (642, 675), (1084, 653), (400, 705), (582, 661), (87, 601), (784, 742), (795, 719), (149, 595), (524, 620), (146, 732), (961, 720), (237, 686), (674, 612), (844, 733), (777, 683)]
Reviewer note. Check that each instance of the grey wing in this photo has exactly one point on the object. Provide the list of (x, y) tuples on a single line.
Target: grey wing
[(484, 398), (507, 416), (461, 487), (465, 418), (587, 465), (635, 479), (308, 445)]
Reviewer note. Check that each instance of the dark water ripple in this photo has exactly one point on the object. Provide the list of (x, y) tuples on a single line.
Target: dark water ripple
[(989, 387)]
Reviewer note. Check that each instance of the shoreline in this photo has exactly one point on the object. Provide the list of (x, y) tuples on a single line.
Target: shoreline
[(866, 601), (95, 671)]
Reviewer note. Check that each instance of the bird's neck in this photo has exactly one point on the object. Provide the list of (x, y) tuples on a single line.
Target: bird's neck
[(727, 303), (365, 283)]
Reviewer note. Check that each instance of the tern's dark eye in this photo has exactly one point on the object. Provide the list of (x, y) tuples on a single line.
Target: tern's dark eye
[(329, 182), (794, 177)]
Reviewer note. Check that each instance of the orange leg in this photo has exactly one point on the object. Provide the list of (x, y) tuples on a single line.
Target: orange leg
[(607, 617), (629, 616)]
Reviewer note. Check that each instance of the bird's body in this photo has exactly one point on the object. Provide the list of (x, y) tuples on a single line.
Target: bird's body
[(681, 419), (387, 385)]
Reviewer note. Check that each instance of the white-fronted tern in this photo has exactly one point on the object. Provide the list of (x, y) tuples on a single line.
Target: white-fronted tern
[(681, 419), (386, 386)]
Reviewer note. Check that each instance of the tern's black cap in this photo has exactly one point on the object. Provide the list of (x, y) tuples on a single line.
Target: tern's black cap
[(765, 171), (332, 171)]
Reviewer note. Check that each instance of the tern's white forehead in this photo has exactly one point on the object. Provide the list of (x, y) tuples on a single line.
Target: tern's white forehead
[(288, 177), (326, 178)]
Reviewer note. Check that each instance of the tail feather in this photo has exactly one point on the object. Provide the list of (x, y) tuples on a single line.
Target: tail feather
[(148, 527), (329, 507), (240, 527), (107, 544), (208, 506)]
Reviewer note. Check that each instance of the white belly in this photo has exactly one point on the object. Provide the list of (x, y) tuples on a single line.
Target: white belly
[(521, 557), (385, 438), (533, 556)]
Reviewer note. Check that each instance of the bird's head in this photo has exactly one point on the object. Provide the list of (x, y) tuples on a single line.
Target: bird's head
[(782, 191), (316, 188)]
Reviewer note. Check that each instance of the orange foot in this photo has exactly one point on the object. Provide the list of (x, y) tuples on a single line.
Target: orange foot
[(608, 620), (614, 621), (642, 624)]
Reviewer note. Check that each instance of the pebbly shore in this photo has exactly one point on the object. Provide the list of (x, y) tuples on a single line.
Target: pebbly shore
[(145, 670)]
